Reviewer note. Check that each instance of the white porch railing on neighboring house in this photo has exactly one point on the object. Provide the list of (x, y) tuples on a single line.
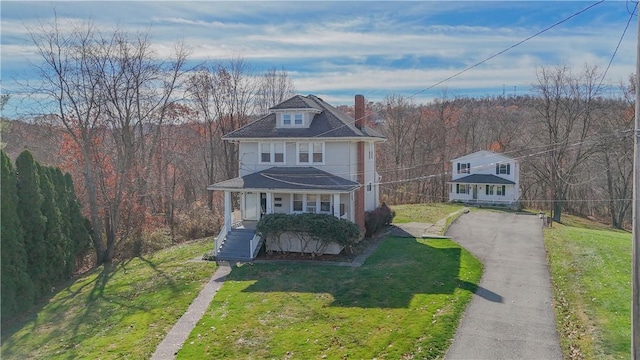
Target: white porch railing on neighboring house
[(219, 239)]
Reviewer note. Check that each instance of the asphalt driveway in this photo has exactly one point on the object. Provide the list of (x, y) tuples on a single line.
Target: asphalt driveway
[(511, 315)]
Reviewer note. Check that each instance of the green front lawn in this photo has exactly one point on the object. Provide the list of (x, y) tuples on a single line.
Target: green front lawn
[(591, 272), (122, 311), (427, 213), (405, 302)]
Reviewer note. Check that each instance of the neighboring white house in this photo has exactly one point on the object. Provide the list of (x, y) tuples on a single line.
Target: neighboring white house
[(305, 156), (485, 177)]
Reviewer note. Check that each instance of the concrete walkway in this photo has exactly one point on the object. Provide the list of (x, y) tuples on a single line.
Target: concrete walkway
[(169, 347), (511, 314)]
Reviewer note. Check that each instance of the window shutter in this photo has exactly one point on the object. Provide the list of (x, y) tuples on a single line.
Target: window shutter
[(458, 168), (508, 169), (503, 190), (486, 189), (497, 169), (458, 187), (468, 168)]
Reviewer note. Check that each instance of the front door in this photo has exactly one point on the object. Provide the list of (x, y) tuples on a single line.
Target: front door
[(251, 206), (475, 192), (263, 204)]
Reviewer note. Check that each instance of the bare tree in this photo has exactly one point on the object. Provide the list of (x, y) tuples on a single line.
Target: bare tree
[(274, 87), (109, 89), (565, 118)]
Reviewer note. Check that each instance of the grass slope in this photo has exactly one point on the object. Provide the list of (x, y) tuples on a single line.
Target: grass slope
[(591, 271), (404, 302), (123, 311)]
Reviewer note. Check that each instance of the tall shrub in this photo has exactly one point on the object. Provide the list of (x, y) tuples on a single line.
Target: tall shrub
[(54, 237), (16, 286), (30, 201)]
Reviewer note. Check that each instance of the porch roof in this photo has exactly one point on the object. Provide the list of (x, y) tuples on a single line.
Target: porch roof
[(483, 179), (288, 178)]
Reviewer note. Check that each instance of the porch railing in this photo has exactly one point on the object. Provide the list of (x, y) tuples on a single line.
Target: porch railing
[(253, 245), (217, 241)]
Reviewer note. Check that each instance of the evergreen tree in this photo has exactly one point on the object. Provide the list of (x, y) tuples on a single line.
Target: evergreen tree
[(17, 288), (53, 233), (79, 226), (33, 222), (62, 201)]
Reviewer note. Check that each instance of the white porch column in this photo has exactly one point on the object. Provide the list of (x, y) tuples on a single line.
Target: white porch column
[(227, 210), (336, 205), (269, 203)]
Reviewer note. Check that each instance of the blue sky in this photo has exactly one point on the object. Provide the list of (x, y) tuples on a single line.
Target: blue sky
[(338, 49)]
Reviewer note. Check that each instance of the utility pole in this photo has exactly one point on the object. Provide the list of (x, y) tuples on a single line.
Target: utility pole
[(635, 247)]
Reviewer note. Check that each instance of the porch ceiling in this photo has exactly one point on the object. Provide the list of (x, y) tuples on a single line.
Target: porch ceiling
[(288, 178)]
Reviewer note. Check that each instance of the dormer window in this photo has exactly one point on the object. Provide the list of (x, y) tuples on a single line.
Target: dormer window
[(292, 119)]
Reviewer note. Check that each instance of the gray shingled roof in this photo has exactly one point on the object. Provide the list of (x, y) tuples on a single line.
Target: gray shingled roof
[(330, 123), (296, 102), (288, 178), (483, 179)]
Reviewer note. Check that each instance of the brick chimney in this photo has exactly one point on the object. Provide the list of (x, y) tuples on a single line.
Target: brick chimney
[(359, 196)]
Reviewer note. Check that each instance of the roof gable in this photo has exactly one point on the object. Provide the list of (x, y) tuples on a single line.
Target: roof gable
[(297, 102), (327, 122)]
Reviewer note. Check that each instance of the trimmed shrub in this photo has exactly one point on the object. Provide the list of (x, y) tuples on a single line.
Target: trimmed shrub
[(377, 219), (323, 228)]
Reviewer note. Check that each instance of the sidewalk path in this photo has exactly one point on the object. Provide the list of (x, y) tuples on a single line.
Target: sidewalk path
[(169, 347), (511, 314)]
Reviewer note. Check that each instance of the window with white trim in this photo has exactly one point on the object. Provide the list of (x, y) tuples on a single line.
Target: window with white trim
[(311, 203), (501, 190), (463, 168), (325, 203), (371, 149), (272, 153), (297, 200), (503, 169), (293, 119), (311, 153), (462, 188), (369, 186), (489, 190)]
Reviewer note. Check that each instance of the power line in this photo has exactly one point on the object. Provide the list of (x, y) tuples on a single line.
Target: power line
[(481, 62), (617, 47)]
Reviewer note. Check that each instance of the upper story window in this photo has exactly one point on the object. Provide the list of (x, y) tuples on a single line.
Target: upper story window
[(371, 151), (503, 169), (292, 119), (464, 168), (272, 153), (311, 153)]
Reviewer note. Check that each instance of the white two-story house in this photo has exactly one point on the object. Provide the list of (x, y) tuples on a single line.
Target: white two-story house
[(485, 177), (305, 156)]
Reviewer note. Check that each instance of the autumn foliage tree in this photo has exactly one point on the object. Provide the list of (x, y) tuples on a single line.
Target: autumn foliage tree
[(110, 92)]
